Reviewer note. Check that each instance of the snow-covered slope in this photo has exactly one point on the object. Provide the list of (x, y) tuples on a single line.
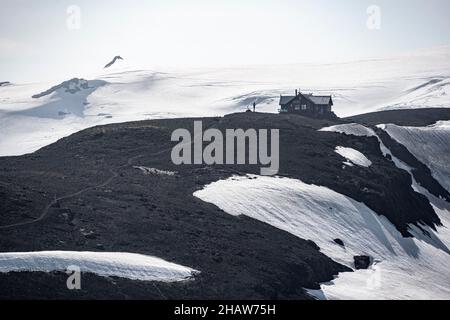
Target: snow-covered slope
[(431, 93), (117, 264), (404, 268), (28, 123), (123, 93), (430, 145)]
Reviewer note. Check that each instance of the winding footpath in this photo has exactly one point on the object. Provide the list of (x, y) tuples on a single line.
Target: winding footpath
[(43, 215), (114, 174)]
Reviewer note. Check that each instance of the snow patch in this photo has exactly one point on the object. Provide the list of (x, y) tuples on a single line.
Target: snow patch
[(117, 264), (403, 268), (354, 156), (355, 129)]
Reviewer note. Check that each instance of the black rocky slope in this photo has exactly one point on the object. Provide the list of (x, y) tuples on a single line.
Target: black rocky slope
[(407, 117), (82, 193), (156, 215)]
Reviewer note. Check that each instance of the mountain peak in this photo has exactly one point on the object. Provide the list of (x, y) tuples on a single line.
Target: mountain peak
[(70, 86)]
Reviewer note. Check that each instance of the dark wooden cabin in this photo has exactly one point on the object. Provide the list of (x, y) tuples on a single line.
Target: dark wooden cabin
[(307, 105)]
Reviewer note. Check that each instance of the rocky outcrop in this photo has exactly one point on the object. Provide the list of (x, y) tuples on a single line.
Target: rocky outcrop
[(411, 117), (70, 86), (362, 262)]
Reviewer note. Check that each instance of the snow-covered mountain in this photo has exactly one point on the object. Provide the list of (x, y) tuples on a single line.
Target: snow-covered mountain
[(120, 93)]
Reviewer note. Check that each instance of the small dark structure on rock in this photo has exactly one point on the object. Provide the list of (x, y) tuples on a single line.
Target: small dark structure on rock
[(308, 105)]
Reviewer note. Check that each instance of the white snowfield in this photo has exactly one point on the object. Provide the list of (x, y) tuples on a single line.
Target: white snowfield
[(124, 93), (433, 92), (430, 145), (355, 129), (354, 156), (403, 268), (117, 264)]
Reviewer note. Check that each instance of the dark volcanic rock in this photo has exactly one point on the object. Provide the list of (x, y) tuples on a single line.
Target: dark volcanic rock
[(239, 257), (70, 86), (313, 244), (362, 262), (408, 117)]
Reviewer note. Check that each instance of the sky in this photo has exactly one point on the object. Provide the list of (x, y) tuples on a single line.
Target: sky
[(49, 40)]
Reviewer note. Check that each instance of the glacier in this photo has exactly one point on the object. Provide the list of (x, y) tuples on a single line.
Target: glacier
[(128, 93)]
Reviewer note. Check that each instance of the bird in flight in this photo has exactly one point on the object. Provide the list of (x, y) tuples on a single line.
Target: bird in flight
[(113, 61)]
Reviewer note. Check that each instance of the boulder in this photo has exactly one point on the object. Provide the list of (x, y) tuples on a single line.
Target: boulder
[(362, 262)]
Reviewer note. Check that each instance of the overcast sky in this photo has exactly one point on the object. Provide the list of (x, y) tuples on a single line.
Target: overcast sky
[(42, 40)]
